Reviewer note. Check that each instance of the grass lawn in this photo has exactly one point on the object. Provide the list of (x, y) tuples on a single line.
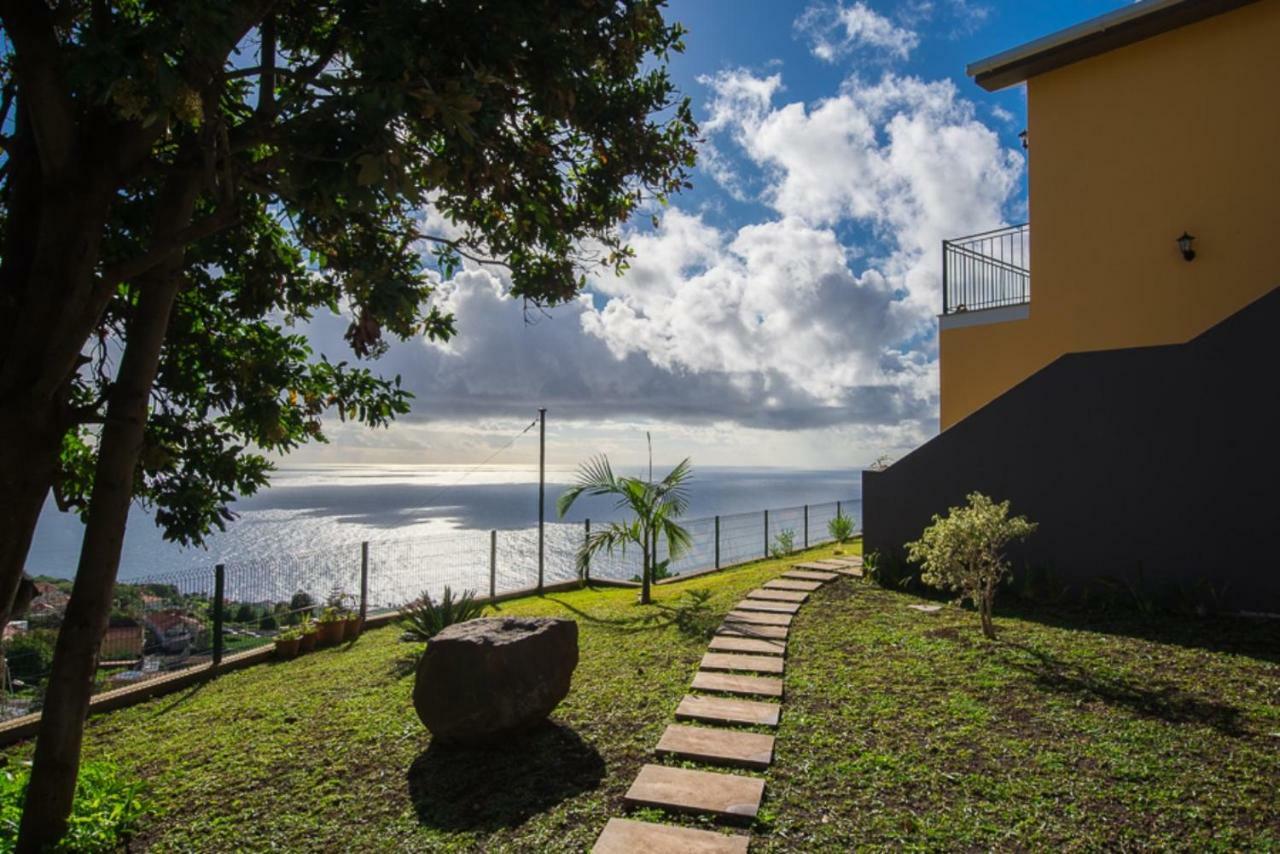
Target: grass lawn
[(900, 729)]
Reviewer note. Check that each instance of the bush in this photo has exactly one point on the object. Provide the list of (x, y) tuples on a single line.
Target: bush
[(964, 551), (840, 528), (245, 614), (784, 543), (268, 623), (105, 813), (423, 619), (30, 655)]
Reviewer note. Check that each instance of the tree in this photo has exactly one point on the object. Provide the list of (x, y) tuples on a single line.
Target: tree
[(964, 551), (840, 528), (182, 181), (656, 506)]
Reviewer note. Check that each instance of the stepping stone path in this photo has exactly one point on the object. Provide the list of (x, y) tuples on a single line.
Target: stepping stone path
[(752, 640), (767, 606), (749, 663), (766, 595)]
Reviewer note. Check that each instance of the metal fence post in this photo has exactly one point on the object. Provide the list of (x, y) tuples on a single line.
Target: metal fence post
[(493, 564), (219, 588), (586, 537), (717, 542), (364, 580), (766, 533), (806, 526)]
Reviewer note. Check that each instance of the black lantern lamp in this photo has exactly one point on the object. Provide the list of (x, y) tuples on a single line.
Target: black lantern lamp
[(1184, 244)]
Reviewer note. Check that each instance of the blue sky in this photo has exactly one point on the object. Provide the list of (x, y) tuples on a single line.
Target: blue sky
[(784, 311)]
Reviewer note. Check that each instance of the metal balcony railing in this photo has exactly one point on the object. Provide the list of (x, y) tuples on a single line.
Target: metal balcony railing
[(987, 270)]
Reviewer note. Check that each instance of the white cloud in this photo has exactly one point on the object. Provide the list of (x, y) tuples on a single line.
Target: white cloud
[(835, 30)]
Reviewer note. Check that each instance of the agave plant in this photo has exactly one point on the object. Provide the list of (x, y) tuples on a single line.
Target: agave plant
[(656, 505), (422, 619)]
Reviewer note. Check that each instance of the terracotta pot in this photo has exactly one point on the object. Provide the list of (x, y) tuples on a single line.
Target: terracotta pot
[(308, 641), (287, 648), (353, 629), (331, 633)]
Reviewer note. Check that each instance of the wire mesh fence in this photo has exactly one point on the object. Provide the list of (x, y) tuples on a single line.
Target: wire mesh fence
[(167, 622)]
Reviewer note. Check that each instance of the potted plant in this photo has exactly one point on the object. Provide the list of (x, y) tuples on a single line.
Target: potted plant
[(287, 643), (353, 626), (332, 626), (310, 633)]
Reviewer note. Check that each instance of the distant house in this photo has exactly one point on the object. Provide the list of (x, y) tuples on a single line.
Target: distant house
[(123, 640), (49, 601), (174, 631), (1116, 390)]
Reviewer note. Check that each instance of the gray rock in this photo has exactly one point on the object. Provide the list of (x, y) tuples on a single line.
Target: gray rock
[(486, 678)]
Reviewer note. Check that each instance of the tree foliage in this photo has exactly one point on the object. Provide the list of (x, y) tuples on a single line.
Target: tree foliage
[(655, 507), (964, 551)]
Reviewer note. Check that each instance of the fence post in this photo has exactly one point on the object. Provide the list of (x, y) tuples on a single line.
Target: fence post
[(766, 533), (219, 588), (586, 536), (717, 542), (806, 526), (364, 580), (493, 564)]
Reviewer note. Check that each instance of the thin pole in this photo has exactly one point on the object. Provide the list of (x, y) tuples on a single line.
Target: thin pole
[(542, 489), (717, 542), (219, 588), (493, 564), (806, 526), (364, 580), (586, 538), (766, 533)]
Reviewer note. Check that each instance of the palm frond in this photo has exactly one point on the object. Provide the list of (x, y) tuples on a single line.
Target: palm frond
[(613, 536), (595, 477)]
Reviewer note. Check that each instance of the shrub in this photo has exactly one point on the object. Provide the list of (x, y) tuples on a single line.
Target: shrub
[(268, 623), (30, 654), (784, 543), (245, 614), (105, 813), (964, 551), (840, 528), (423, 619)]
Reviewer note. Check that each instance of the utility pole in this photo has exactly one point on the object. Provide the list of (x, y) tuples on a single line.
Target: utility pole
[(542, 489)]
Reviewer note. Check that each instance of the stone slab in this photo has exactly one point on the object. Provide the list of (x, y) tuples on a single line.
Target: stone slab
[(768, 595), (767, 607), (824, 564), (717, 746), (728, 796), (742, 663), (792, 584), (729, 683), (748, 630), (811, 575), (727, 710), (752, 646), (757, 618), (625, 836), (847, 560)]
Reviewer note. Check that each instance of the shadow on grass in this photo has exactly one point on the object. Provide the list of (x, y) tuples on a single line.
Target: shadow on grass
[(1166, 702), (457, 788), (691, 614)]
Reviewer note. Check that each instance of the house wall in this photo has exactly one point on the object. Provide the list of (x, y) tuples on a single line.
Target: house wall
[(1160, 461), (1127, 150)]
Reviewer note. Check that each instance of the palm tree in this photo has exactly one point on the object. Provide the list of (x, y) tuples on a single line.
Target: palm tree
[(656, 505)]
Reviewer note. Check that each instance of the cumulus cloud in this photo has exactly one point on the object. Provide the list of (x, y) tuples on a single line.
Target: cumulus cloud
[(834, 30)]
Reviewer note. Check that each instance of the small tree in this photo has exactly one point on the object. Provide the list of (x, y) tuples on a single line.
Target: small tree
[(964, 551), (784, 543), (656, 505), (840, 528)]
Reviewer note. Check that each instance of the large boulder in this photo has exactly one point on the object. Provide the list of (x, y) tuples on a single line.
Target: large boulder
[(485, 678)]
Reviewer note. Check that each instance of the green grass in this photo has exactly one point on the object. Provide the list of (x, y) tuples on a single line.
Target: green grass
[(900, 730)]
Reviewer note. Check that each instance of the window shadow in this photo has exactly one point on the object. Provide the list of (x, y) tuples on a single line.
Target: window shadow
[(1150, 698), (458, 788)]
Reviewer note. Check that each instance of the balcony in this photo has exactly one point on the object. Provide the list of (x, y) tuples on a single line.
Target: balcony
[(987, 270)]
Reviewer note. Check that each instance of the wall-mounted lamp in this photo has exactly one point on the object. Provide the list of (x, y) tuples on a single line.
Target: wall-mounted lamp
[(1184, 244)]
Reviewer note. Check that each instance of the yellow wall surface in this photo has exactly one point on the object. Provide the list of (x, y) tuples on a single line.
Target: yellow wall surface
[(1127, 150)]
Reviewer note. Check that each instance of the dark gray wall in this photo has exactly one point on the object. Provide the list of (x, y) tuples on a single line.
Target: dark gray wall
[(1164, 457)]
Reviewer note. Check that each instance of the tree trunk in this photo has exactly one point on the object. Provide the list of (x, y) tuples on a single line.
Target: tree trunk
[(28, 454), (75, 661), (644, 571), (985, 607)]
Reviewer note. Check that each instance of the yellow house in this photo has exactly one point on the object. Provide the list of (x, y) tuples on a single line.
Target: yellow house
[(1153, 123)]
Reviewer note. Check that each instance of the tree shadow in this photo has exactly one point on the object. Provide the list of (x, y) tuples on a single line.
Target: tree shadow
[(1150, 699), (691, 614), (457, 788)]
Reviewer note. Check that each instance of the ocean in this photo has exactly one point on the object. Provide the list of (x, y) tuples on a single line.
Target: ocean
[(329, 509)]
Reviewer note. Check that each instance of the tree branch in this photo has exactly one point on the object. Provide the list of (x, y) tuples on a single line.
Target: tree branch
[(126, 270), (41, 80)]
